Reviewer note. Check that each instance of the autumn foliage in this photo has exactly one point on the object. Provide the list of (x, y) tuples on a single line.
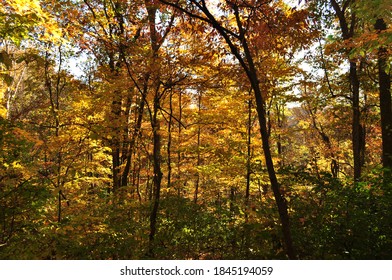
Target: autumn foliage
[(195, 129)]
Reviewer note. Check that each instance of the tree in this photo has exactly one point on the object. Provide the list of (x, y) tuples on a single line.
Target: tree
[(348, 22), (384, 80), (237, 38)]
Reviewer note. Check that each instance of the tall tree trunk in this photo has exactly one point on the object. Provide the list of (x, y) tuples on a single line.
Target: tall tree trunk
[(356, 125), (115, 127), (130, 149), (54, 99), (280, 200), (157, 179), (261, 112), (156, 39), (178, 146), (125, 146), (248, 156), (195, 197), (115, 141), (384, 80), (246, 233), (245, 58), (357, 138), (169, 139), (280, 118)]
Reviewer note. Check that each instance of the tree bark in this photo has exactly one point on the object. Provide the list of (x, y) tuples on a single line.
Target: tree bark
[(248, 157), (356, 125), (357, 138), (196, 194), (115, 140), (132, 142), (384, 80), (157, 175), (169, 139), (260, 108), (179, 185), (156, 39)]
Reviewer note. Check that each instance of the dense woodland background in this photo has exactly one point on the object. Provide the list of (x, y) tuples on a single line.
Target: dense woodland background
[(195, 129)]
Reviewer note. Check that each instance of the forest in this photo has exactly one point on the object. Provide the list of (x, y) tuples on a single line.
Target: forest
[(195, 129)]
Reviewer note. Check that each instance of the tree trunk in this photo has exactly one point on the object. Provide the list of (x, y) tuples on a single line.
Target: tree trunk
[(54, 99), (280, 200), (155, 122), (280, 119), (248, 157), (356, 125), (115, 141), (357, 138), (157, 173), (198, 153), (132, 143), (247, 63), (385, 100), (169, 139), (179, 188)]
